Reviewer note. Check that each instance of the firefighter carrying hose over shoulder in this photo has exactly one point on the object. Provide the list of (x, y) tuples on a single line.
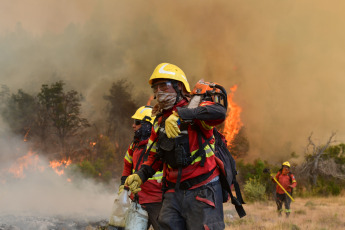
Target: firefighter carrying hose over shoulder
[(150, 196), (193, 195), (287, 180)]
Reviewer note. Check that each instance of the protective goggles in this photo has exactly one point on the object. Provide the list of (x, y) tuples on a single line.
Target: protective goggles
[(137, 122), (163, 86)]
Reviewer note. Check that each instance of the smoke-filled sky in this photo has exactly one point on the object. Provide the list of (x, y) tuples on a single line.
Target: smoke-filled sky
[(287, 57)]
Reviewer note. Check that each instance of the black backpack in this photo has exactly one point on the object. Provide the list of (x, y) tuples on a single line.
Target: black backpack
[(227, 167)]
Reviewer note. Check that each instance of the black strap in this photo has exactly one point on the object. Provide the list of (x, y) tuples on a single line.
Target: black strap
[(179, 175), (238, 206), (143, 152), (178, 92), (200, 152), (187, 184), (202, 149)]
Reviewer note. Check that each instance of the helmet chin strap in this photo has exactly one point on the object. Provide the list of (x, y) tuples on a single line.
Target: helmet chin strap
[(178, 91)]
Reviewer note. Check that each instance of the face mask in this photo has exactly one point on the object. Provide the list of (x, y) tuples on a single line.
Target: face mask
[(144, 132), (285, 171), (166, 100)]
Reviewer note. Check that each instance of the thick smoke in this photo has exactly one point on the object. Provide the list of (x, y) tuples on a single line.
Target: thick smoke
[(285, 56), (30, 187)]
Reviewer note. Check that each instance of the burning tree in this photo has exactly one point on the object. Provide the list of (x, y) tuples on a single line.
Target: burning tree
[(233, 129)]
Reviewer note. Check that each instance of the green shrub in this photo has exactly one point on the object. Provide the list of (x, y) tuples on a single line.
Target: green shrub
[(254, 190), (87, 169), (327, 187)]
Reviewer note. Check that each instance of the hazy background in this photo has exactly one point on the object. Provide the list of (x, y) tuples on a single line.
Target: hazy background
[(287, 57)]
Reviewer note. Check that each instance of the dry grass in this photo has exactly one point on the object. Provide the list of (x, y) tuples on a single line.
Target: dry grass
[(307, 213)]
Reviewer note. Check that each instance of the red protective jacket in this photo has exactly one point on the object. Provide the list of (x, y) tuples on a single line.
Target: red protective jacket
[(151, 190), (206, 116), (285, 181)]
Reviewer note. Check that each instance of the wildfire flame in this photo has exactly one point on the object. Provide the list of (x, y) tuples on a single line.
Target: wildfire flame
[(58, 166), (26, 136), (149, 101), (233, 123), (31, 162), (24, 162)]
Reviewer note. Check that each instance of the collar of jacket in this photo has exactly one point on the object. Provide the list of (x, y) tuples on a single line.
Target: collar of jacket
[(167, 113), (143, 142)]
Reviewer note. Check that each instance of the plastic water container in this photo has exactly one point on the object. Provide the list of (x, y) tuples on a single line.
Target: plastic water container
[(120, 209), (137, 217)]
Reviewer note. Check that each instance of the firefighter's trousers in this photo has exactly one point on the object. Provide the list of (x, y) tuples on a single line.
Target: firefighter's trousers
[(283, 198), (153, 210), (200, 208)]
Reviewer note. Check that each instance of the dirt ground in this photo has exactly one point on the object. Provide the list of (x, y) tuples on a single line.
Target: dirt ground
[(307, 213)]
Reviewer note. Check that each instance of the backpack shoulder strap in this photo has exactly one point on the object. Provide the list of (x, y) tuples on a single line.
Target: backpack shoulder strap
[(290, 175), (142, 154)]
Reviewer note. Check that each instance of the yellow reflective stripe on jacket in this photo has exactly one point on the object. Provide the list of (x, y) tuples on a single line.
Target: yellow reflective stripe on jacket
[(158, 175), (294, 181), (128, 158), (208, 150), (154, 146), (205, 126), (156, 127)]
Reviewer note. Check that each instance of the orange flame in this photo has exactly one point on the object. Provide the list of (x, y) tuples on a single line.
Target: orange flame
[(233, 123), (26, 136), (57, 165), (29, 160), (149, 101)]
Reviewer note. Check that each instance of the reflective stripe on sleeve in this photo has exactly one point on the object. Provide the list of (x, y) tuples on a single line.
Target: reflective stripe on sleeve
[(128, 158), (158, 175), (205, 126)]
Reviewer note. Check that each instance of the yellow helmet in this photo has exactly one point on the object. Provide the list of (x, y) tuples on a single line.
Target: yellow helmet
[(286, 163), (170, 71), (144, 114)]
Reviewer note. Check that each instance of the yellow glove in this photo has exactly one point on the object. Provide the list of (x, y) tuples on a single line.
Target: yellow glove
[(171, 128), (133, 182), (121, 189)]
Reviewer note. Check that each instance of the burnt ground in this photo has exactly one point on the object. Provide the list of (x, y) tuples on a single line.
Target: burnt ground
[(11, 222)]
